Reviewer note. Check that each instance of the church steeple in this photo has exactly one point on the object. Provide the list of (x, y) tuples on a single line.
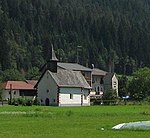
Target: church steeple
[(52, 62), (53, 56)]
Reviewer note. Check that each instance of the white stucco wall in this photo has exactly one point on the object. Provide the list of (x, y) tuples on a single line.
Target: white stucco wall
[(47, 88), (86, 97), (14, 94), (115, 84), (76, 100)]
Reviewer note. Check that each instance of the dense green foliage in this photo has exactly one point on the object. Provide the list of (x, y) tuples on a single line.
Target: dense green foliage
[(71, 122), (114, 34), (139, 86)]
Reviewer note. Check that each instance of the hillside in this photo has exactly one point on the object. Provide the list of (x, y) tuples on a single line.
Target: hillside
[(111, 34)]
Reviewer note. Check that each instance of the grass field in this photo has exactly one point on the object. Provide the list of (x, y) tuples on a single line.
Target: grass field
[(71, 122)]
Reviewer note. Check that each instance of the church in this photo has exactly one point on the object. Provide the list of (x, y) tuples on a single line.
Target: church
[(62, 87)]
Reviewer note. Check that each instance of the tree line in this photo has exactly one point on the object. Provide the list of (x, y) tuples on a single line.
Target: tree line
[(112, 35), (137, 86)]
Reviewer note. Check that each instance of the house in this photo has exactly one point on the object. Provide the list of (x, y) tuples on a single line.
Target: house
[(17, 89), (62, 87), (98, 80), (103, 82)]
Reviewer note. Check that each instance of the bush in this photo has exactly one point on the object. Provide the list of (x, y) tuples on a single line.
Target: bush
[(36, 102), (21, 101), (27, 102)]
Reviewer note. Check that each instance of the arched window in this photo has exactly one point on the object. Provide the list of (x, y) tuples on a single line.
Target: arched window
[(98, 88)]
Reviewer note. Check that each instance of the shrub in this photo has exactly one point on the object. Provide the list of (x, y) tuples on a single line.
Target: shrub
[(36, 102)]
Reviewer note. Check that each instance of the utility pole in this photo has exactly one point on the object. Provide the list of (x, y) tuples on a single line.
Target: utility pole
[(10, 94)]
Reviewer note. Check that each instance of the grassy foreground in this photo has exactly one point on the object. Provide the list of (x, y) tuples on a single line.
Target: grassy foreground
[(71, 122)]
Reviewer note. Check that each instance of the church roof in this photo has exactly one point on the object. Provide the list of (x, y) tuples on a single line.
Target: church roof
[(68, 78), (73, 66)]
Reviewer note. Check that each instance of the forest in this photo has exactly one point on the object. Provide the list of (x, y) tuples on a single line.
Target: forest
[(114, 35)]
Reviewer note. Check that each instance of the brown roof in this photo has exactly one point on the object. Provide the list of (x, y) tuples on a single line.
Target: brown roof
[(18, 85), (98, 72)]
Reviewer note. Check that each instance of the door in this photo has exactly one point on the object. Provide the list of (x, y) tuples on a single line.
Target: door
[(47, 102)]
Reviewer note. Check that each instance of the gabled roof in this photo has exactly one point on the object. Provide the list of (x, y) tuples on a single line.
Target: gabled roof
[(73, 66), (98, 72), (68, 78), (18, 85)]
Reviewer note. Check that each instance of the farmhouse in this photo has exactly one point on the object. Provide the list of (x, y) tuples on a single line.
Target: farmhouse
[(103, 81), (98, 80), (62, 87), (17, 89)]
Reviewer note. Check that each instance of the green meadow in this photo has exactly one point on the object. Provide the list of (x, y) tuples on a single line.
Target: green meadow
[(71, 122)]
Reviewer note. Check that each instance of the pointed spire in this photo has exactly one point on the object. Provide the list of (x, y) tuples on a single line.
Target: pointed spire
[(53, 56), (52, 62)]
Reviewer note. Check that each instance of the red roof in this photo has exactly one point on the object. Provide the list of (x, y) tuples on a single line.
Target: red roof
[(19, 85), (32, 82)]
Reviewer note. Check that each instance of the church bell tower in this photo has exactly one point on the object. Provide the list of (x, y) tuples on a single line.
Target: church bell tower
[(52, 62)]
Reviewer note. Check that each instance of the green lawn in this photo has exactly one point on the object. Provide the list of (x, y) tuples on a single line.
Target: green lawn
[(71, 122)]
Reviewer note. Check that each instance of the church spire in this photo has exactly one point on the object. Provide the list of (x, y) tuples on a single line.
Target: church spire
[(53, 56), (52, 62)]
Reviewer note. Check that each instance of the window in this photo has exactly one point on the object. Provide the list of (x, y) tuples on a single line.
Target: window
[(54, 100), (85, 97), (115, 82), (101, 81), (98, 88), (27, 93), (47, 91), (14, 92), (71, 96)]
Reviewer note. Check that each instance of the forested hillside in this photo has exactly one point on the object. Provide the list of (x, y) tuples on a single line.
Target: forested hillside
[(112, 34)]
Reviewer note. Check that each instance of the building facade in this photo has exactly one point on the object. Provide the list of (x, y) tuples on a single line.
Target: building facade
[(18, 89), (64, 88)]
